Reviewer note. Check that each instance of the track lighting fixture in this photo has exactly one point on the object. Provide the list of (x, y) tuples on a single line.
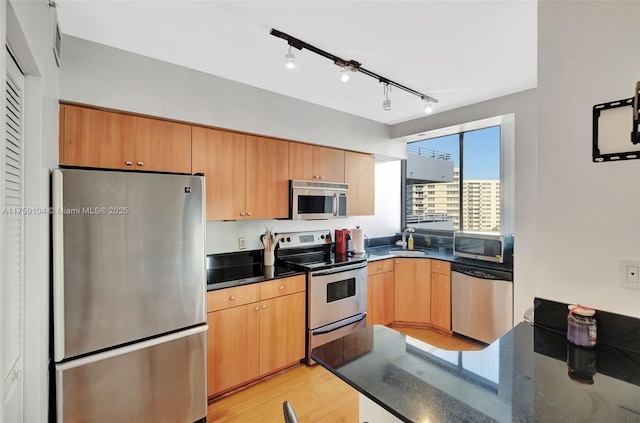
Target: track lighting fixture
[(290, 60), (386, 104), (351, 66)]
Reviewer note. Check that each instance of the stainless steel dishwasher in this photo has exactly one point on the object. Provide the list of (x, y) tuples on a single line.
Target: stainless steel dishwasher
[(481, 302)]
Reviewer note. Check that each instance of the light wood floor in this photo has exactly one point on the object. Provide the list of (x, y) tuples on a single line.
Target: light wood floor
[(315, 394)]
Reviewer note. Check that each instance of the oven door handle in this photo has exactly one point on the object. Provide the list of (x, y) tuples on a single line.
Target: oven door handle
[(341, 269), (348, 322)]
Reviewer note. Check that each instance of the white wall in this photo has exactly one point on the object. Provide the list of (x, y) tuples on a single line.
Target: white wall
[(29, 32), (99, 75), (223, 236), (524, 171), (588, 213)]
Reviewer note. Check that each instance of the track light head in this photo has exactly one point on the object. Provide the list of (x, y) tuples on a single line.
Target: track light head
[(386, 104), (344, 75), (289, 60), (428, 106)]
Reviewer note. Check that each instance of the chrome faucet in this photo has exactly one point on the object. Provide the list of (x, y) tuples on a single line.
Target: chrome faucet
[(403, 243)]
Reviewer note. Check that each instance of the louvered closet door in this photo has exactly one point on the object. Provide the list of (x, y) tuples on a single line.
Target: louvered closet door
[(12, 255)]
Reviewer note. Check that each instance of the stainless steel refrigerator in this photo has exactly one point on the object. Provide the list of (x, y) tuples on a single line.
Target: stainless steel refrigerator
[(129, 317)]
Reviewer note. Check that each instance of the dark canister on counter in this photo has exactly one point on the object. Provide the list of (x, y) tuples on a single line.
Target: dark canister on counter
[(582, 327)]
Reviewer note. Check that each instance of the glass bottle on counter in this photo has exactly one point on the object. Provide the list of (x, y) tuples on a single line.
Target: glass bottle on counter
[(582, 327)]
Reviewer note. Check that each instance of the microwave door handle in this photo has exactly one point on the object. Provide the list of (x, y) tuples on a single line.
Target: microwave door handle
[(335, 204)]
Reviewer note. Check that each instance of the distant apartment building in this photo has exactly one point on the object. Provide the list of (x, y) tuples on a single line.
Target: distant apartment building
[(440, 202)]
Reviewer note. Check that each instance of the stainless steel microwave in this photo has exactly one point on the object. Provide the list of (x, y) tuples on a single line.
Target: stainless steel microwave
[(311, 200), (488, 246)]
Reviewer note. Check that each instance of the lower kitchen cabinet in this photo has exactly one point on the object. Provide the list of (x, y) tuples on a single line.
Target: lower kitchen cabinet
[(412, 291), (252, 336), (380, 292), (282, 332), (233, 346), (441, 295)]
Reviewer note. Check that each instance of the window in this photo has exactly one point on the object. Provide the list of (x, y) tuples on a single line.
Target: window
[(461, 203)]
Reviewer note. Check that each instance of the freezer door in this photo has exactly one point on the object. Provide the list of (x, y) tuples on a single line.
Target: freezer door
[(162, 380), (128, 257)]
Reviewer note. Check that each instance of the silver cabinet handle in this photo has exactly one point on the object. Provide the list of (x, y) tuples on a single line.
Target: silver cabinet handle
[(264, 307), (256, 308), (128, 163), (241, 213), (140, 163), (281, 287), (248, 213), (232, 298), (321, 177)]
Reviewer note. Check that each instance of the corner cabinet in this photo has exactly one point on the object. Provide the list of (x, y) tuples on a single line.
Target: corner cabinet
[(441, 295), (359, 173), (247, 176), (254, 330), (380, 283), (412, 291), (314, 163), (111, 140)]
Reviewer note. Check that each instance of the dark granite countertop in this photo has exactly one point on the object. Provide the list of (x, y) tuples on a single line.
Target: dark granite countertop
[(515, 379), (444, 254), (242, 268)]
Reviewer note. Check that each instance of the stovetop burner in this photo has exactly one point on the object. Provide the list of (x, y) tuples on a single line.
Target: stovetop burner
[(312, 251)]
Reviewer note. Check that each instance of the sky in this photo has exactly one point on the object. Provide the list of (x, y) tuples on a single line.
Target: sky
[(481, 152)]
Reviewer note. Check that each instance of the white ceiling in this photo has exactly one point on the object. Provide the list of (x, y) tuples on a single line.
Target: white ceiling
[(460, 52)]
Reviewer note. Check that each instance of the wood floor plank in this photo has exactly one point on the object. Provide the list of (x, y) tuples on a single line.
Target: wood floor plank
[(315, 394)]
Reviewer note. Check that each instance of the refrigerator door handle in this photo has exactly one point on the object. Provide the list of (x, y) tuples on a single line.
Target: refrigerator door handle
[(57, 228), (130, 348)]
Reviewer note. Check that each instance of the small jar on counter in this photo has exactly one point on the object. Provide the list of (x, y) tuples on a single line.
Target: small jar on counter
[(582, 327)]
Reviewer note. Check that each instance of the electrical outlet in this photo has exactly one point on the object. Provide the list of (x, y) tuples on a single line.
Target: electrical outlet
[(632, 274), (629, 273), (241, 244)]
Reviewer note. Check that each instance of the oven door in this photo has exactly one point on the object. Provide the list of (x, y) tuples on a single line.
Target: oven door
[(337, 294)]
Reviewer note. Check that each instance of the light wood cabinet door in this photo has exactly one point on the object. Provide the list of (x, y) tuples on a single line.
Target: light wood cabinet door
[(314, 163), (412, 290), (220, 156), (282, 331), (162, 146), (359, 173), (267, 183), (330, 164), (380, 299), (302, 162), (95, 138), (233, 347), (441, 301)]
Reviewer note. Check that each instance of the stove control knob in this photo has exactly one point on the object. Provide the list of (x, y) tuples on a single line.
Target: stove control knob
[(321, 236), (288, 239)]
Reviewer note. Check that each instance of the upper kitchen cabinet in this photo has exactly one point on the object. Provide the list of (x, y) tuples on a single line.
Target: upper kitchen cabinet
[(162, 146), (220, 156), (359, 174), (314, 163), (94, 138), (247, 176), (267, 173), (110, 140)]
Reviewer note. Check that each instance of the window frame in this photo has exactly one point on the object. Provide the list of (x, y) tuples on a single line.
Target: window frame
[(507, 173)]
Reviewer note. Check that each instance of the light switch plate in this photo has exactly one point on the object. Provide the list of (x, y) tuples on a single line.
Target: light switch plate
[(629, 277), (241, 244)]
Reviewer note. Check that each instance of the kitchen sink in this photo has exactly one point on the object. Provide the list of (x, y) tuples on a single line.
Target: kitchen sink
[(408, 253)]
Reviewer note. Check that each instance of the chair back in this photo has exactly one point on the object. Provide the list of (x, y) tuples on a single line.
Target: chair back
[(289, 414)]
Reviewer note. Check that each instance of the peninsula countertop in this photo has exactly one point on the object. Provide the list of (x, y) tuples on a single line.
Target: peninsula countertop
[(522, 377)]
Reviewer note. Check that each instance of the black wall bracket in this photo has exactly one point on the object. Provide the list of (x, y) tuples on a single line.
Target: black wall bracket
[(610, 139)]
